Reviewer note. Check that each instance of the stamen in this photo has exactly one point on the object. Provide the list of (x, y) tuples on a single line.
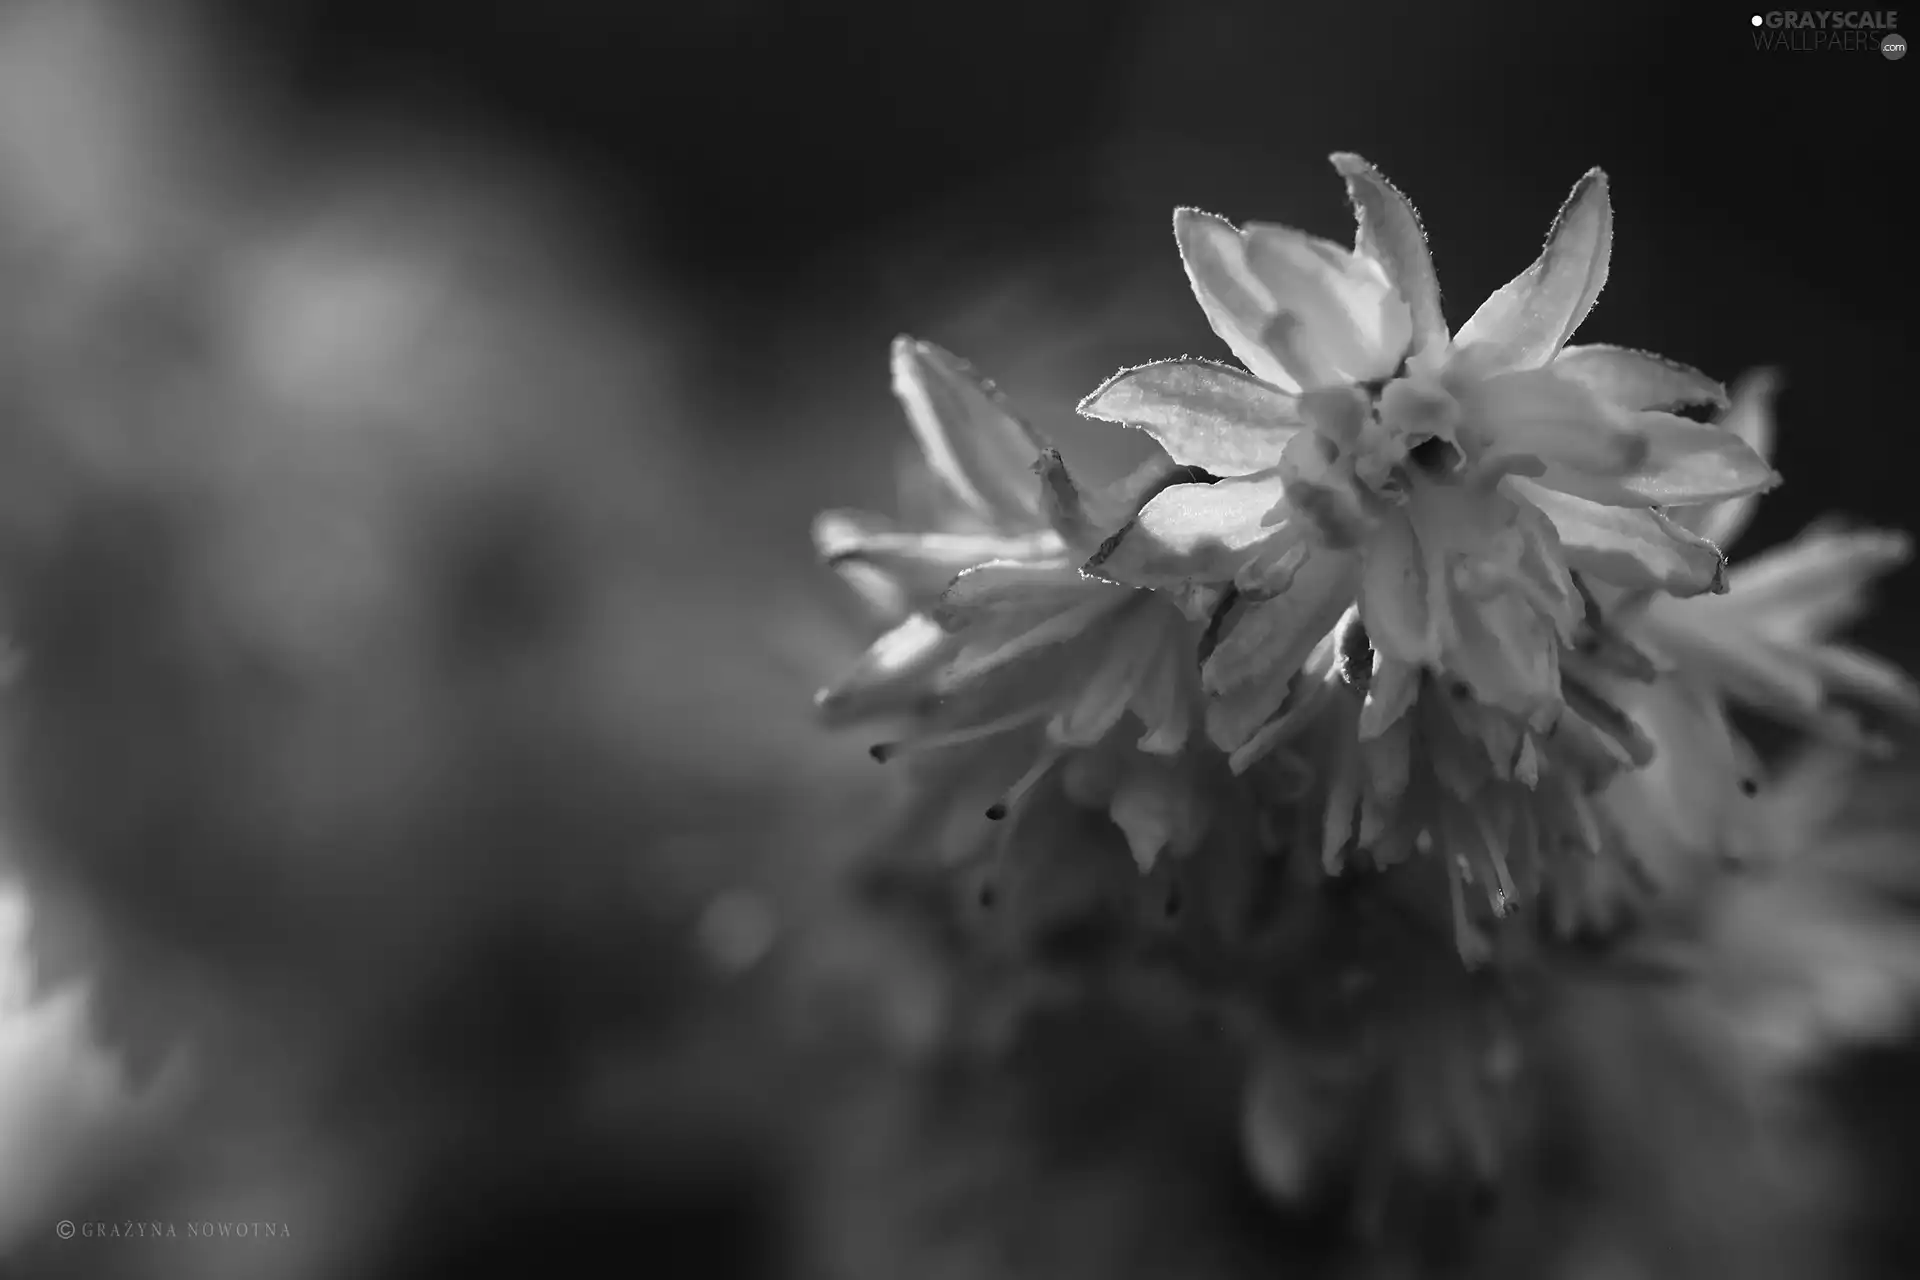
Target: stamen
[(885, 751), (1039, 769)]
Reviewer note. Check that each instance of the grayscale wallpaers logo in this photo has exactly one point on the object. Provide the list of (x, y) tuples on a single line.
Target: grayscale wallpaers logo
[(1831, 31)]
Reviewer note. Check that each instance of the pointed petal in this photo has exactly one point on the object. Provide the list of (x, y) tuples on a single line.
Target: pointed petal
[(1816, 585), (1538, 413), (1393, 594), (891, 674), (1111, 505), (1144, 815), (1337, 317), (925, 501), (1109, 691), (1633, 547), (1391, 693), (1606, 454), (922, 563), (1532, 317), (972, 441), (1751, 419), (1639, 380), (1203, 414), (1692, 462), (1267, 643), (1305, 698), (1161, 700), (1194, 533), (1864, 676), (1237, 304), (1065, 504), (1507, 653), (1002, 589), (1389, 232), (998, 648)]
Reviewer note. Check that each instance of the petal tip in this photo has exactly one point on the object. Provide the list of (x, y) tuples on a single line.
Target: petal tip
[(1187, 219)]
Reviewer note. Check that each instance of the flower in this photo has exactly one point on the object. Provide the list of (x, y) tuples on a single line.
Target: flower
[(1766, 643), (1403, 762), (1005, 635), (1448, 483)]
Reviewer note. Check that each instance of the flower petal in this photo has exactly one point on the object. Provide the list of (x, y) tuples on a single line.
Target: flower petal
[(1161, 700), (1604, 453), (972, 441), (1111, 505), (922, 563), (1692, 462), (1389, 232), (1194, 533), (1337, 318), (1532, 317), (1265, 644), (1633, 547), (1002, 647), (1865, 676), (1507, 653), (1751, 419), (1640, 380), (1538, 413), (1393, 594), (1237, 304), (1203, 414), (1065, 504), (1003, 589), (1816, 585), (890, 675), (1109, 690), (1145, 815)]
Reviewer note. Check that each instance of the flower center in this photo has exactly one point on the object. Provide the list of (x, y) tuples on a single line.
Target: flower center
[(1389, 435)]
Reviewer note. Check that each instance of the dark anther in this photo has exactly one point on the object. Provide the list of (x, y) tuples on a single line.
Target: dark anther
[(989, 895), (1356, 654), (1749, 787), (1434, 456), (1461, 690), (1173, 903)]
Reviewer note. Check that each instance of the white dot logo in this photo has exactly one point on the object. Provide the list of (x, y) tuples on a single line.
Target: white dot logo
[(1757, 19)]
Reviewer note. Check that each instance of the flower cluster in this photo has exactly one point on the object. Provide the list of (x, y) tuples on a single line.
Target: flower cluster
[(1455, 591), (1449, 607)]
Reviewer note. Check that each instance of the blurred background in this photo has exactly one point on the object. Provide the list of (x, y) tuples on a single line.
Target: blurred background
[(411, 414)]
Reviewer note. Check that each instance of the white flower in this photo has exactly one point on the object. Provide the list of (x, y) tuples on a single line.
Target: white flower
[(1402, 763), (1769, 642), (1448, 484), (1005, 632)]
